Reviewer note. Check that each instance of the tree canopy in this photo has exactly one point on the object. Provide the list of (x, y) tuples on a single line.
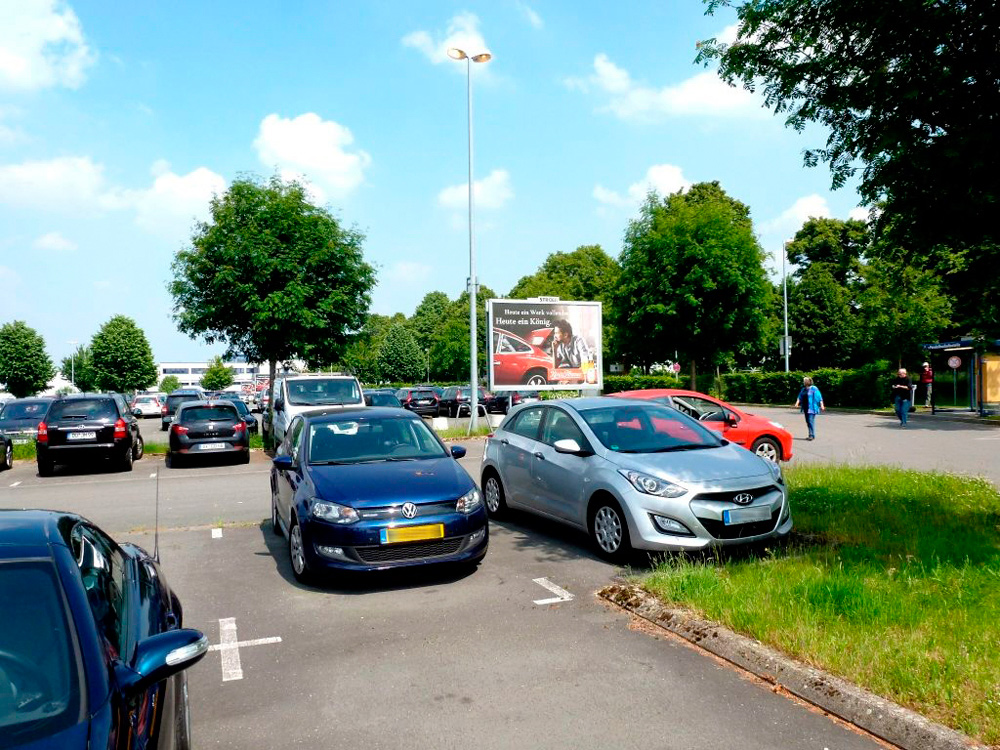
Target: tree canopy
[(121, 357), (587, 273), (217, 376), (169, 384), (80, 369), (399, 357), (25, 368)]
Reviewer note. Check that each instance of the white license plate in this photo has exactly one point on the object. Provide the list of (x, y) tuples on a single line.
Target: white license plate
[(746, 515), (212, 446), (81, 436)]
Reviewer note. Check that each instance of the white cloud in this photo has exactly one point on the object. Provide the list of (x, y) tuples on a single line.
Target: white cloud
[(462, 32), (530, 15), (318, 150), (41, 45), (663, 178), (55, 241), (728, 34), (860, 214), (701, 94), (173, 202), (791, 219), (491, 192)]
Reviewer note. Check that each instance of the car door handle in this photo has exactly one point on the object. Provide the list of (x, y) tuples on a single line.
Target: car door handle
[(539, 456), (504, 441)]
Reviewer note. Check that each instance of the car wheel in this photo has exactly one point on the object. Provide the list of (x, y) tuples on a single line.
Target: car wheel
[(163, 427), (139, 448), (8, 456), (126, 460), (44, 468), (609, 530), (275, 523), (297, 553), (172, 461), (494, 496), (768, 448), (535, 378)]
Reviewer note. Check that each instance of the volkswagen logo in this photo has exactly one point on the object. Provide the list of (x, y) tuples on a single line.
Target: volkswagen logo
[(409, 510), (744, 498)]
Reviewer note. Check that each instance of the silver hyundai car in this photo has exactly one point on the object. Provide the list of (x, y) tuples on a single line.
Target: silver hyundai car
[(633, 475)]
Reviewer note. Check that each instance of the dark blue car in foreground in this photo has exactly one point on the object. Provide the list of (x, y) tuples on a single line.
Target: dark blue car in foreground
[(91, 644), (373, 488)]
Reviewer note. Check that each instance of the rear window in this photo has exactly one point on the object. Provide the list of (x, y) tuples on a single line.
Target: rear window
[(209, 414), (97, 409), (423, 394), (317, 391), (24, 410), (174, 401)]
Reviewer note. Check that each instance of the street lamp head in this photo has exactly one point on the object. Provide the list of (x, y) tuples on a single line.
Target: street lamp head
[(456, 54), (482, 57)]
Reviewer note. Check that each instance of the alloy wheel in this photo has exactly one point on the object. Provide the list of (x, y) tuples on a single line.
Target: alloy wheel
[(608, 530), (295, 550)]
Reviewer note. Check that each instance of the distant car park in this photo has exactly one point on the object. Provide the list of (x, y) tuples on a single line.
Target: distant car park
[(147, 406)]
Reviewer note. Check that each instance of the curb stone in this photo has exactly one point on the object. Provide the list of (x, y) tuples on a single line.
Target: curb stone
[(882, 718)]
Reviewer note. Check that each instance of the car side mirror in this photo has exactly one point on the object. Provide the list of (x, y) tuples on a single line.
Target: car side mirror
[(161, 656), (569, 445), (279, 405), (732, 420), (458, 451), (283, 463)]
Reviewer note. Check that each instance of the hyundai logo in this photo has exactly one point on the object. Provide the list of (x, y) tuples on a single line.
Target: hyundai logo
[(409, 510), (744, 498)]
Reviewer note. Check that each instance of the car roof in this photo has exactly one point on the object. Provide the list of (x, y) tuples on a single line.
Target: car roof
[(79, 396), (366, 412), (29, 398), (206, 402), (591, 402), (34, 529)]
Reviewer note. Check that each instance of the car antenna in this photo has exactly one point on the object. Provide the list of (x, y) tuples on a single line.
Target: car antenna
[(156, 524)]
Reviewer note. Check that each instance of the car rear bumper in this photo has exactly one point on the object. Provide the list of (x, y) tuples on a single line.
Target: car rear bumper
[(64, 454)]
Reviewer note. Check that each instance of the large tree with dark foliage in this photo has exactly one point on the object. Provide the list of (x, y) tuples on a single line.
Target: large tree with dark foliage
[(25, 368), (910, 94)]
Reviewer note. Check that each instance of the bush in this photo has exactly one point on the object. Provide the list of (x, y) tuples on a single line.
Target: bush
[(864, 387), (640, 382)]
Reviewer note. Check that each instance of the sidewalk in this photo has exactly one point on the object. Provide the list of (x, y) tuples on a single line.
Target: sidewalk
[(968, 417)]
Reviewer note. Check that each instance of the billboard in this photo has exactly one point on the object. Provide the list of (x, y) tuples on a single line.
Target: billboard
[(545, 345)]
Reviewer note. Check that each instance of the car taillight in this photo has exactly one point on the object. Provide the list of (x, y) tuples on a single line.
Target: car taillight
[(163, 410), (43, 433), (240, 427), (179, 429), (120, 428), (516, 398), (409, 398)]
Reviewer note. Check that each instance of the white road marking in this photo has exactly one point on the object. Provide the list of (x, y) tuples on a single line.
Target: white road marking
[(229, 648), (153, 475), (15, 484), (216, 533), (561, 594)]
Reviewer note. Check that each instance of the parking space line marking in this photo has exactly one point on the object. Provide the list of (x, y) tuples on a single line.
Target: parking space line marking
[(153, 475), (561, 594), (216, 533), (242, 644), (230, 650), (15, 484)]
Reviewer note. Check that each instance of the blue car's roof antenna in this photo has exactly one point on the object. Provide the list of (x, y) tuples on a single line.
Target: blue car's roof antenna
[(156, 525)]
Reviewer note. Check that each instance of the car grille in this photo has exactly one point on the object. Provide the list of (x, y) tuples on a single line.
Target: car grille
[(719, 530), (395, 511), (419, 550), (728, 495)]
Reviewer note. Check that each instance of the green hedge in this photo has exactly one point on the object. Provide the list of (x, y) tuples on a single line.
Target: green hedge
[(864, 387), (639, 382)]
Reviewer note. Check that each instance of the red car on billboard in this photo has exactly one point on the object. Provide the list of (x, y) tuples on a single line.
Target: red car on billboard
[(516, 362), (767, 439)]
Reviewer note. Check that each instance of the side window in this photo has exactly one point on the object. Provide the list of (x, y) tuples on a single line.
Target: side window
[(527, 423), (122, 406), (102, 567), (560, 426), (293, 439), (708, 411)]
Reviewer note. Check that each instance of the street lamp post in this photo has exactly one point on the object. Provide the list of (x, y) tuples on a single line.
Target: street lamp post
[(457, 54), (72, 363), (784, 284)]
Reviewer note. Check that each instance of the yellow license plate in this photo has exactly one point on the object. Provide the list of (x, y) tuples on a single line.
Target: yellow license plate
[(412, 533)]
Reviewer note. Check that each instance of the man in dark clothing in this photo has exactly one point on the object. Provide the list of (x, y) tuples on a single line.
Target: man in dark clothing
[(927, 383), (901, 395)]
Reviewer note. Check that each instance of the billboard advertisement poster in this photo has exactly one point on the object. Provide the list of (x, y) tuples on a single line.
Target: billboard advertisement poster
[(546, 345)]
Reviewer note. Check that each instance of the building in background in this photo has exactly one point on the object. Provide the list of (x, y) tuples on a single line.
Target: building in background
[(189, 373)]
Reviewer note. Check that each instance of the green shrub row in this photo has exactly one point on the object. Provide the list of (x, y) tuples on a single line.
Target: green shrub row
[(864, 387), (639, 382)]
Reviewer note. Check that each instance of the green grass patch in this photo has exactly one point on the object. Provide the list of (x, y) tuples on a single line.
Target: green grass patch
[(891, 581), (461, 432), (24, 452)]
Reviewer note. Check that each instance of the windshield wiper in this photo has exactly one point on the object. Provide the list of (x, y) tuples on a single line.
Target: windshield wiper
[(672, 448), (329, 463)]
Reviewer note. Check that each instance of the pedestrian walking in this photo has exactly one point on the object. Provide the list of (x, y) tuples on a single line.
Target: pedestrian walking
[(810, 400), (927, 382), (901, 395)]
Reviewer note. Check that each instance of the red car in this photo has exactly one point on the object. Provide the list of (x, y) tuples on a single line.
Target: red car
[(767, 439), (516, 362)]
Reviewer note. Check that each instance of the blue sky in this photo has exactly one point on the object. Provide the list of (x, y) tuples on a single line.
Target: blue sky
[(118, 122)]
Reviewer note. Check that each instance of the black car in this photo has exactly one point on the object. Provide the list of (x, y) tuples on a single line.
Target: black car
[(420, 400), (19, 418), (455, 401), (7, 446), (175, 399), (504, 401), (245, 414), (381, 397), (202, 428), (92, 649), (88, 427)]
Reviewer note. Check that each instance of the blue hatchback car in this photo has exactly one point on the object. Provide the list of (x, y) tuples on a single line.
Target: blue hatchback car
[(370, 489), (91, 644)]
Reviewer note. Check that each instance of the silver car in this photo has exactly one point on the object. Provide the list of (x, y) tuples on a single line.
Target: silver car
[(633, 475)]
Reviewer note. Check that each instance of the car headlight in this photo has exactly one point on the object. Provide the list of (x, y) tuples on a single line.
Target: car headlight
[(469, 501), (651, 485), (775, 468), (334, 513)]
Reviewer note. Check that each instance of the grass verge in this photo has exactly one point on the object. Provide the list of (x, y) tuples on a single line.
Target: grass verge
[(26, 451), (891, 580), (461, 432)]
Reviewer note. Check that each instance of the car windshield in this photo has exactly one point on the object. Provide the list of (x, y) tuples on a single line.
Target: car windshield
[(365, 440), (40, 675), (647, 428), (422, 394), (383, 399), (317, 391), (24, 410), (90, 409), (217, 413)]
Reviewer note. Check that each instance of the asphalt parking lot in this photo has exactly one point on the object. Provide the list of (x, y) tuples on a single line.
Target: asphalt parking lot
[(516, 653)]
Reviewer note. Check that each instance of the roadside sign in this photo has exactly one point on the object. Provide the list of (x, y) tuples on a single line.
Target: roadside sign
[(676, 367), (954, 362)]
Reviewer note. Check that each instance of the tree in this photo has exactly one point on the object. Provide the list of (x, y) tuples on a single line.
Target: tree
[(821, 321), (400, 359), (80, 368), (838, 244), (272, 276), (692, 280), (169, 384), (587, 273), (908, 93), (121, 357), (429, 317), (25, 368), (217, 376)]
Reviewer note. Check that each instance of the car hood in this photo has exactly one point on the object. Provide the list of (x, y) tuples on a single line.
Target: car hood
[(391, 482), (704, 467), (71, 738)]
